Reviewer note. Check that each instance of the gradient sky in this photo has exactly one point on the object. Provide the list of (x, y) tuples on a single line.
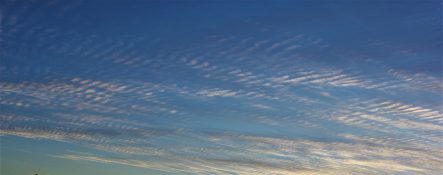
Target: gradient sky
[(221, 87)]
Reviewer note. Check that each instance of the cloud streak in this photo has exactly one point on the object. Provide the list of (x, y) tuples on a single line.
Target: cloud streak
[(281, 102)]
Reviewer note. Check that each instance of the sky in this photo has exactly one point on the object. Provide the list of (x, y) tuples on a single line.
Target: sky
[(221, 87)]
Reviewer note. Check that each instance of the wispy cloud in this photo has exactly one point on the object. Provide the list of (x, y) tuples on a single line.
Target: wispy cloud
[(290, 102)]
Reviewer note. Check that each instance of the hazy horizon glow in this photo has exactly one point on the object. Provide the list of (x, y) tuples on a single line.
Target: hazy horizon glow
[(221, 87)]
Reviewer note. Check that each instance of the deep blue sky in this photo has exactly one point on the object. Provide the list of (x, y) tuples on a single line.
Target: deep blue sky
[(221, 87)]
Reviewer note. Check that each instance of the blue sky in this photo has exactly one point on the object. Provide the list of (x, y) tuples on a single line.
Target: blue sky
[(221, 87)]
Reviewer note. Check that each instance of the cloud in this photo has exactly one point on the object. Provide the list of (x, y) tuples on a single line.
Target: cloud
[(261, 106), (150, 107), (286, 157), (217, 93)]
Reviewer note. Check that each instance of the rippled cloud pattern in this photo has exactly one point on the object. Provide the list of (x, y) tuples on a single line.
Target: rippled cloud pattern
[(221, 87)]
